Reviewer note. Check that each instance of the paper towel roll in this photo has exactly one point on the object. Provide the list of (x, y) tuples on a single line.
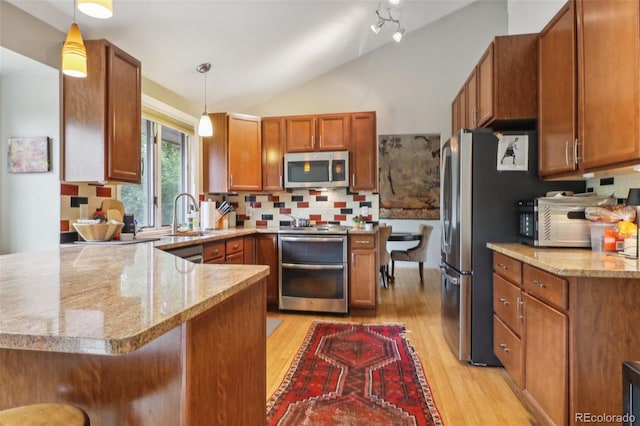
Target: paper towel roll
[(208, 215)]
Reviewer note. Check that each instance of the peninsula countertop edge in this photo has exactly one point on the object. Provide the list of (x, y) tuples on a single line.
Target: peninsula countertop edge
[(572, 262), (107, 300)]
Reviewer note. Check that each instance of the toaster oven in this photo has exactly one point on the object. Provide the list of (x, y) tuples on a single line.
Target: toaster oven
[(558, 221)]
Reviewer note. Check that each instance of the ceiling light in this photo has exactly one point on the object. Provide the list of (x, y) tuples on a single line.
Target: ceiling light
[(394, 2), (74, 54), (102, 9), (377, 26), (397, 36), (205, 128), (382, 19)]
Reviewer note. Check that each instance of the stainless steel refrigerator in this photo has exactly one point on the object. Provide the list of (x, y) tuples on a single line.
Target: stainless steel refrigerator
[(482, 180)]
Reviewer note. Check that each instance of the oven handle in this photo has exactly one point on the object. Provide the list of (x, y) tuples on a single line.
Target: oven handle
[(314, 267), (313, 239)]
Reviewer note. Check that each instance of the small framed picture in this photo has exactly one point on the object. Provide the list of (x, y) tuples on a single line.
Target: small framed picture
[(28, 155), (513, 152)]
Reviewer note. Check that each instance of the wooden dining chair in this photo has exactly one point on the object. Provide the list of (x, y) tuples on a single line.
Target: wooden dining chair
[(383, 254), (414, 254)]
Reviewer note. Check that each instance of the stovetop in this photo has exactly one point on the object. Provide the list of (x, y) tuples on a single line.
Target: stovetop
[(316, 229)]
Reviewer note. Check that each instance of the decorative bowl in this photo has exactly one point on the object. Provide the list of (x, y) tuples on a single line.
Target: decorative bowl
[(98, 231)]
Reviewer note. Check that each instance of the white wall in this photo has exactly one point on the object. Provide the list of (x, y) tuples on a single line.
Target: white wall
[(530, 16), (410, 85), (30, 105)]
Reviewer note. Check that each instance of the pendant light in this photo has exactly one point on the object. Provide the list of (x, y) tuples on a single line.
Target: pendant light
[(74, 54), (102, 9), (205, 128)]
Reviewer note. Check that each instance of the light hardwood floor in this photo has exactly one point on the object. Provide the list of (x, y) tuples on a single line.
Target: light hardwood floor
[(465, 395)]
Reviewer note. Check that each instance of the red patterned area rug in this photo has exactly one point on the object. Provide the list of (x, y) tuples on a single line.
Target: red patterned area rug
[(354, 374)]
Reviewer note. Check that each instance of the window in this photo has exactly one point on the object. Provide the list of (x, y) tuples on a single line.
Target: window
[(164, 175)]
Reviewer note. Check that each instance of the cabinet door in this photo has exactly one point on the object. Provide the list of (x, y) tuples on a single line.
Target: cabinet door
[(249, 250), (363, 275), (333, 132), (485, 87), (214, 156), (124, 116), (300, 133), (471, 101), (609, 82), (235, 259), (272, 163), (557, 95), (267, 254), (546, 359), (363, 152), (245, 153)]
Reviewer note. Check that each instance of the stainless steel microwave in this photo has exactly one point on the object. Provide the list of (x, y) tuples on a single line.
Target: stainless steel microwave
[(328, 169)]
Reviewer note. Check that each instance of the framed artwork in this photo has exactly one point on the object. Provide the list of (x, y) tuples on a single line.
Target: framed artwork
[(409, 178), (513, 152), (28, 155)]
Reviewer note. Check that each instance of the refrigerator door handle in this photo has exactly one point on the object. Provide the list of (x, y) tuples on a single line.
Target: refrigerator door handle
[(453, 280)]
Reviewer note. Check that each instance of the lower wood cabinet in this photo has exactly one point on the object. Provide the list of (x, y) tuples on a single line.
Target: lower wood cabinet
[(225, 251), (267, 254), (363, 271)]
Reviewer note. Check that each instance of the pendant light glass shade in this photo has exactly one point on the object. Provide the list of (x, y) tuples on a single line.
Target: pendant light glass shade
[(74, 54), (205, 128), (101, 9)]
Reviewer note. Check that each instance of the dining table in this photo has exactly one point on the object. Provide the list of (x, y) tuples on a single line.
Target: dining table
[(404, 236)]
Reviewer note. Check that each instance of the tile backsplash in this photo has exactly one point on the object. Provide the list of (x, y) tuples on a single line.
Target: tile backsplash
[(72, 197), (336, 206)]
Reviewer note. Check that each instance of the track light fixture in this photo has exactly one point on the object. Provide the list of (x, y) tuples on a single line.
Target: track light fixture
[(205, 127), (384, 18)]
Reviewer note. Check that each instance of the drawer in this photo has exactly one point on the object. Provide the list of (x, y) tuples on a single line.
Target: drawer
[(508, 267), (235, 258), (507, 303), (234, 245), (363, 241), (213, 251), (545, 286), (508, 348)]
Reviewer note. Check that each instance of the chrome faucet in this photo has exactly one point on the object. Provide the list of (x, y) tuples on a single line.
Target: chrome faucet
[(174, 222)]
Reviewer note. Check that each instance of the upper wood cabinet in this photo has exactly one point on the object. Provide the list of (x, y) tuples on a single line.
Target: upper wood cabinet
[(363, 152), (594, 124), (325, 132), (232, 157), (503, 86), (102, 118), (557, 132), (608, 83), (272, 153)]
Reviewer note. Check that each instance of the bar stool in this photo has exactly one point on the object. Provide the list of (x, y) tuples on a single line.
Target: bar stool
[(44, 415)]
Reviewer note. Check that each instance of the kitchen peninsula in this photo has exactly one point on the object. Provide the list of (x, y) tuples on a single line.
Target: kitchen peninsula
[(563, 326), (133, 335)]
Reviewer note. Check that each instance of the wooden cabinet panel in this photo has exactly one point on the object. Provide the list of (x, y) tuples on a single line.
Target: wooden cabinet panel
[(267, 254), (485, 86), (363, 271), (333, 132), (235, 259), (557, 92), (249, 250), (102, 118), (508, 348), (506, 303), (546, 359), (508, 267), (232, 157), (545, 286), (455, 115), (234, 245), (609, 82), (213, 252), (272, 153), (300, 133), (363, 152), (471, 101)]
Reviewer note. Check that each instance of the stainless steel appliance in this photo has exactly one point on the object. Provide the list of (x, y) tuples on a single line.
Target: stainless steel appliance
[(479, 205), (190, 253), (558, 221), (313, 269), (328, 169)]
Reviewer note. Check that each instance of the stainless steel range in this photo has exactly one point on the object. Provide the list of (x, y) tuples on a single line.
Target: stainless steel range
[(313, 269)]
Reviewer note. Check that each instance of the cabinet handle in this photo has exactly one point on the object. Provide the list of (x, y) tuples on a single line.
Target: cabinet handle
[(231, 180), (353, 180), (362, 242), (504, 347), (519, 304), (320, 141), (504, 301), (311, 141), (566, 153), (503, 266), (577, 150), (281, 181), (538, 283), (353, 258)]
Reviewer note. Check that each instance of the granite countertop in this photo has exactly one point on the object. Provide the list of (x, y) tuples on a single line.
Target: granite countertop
[(572, 262), (108, 300)]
